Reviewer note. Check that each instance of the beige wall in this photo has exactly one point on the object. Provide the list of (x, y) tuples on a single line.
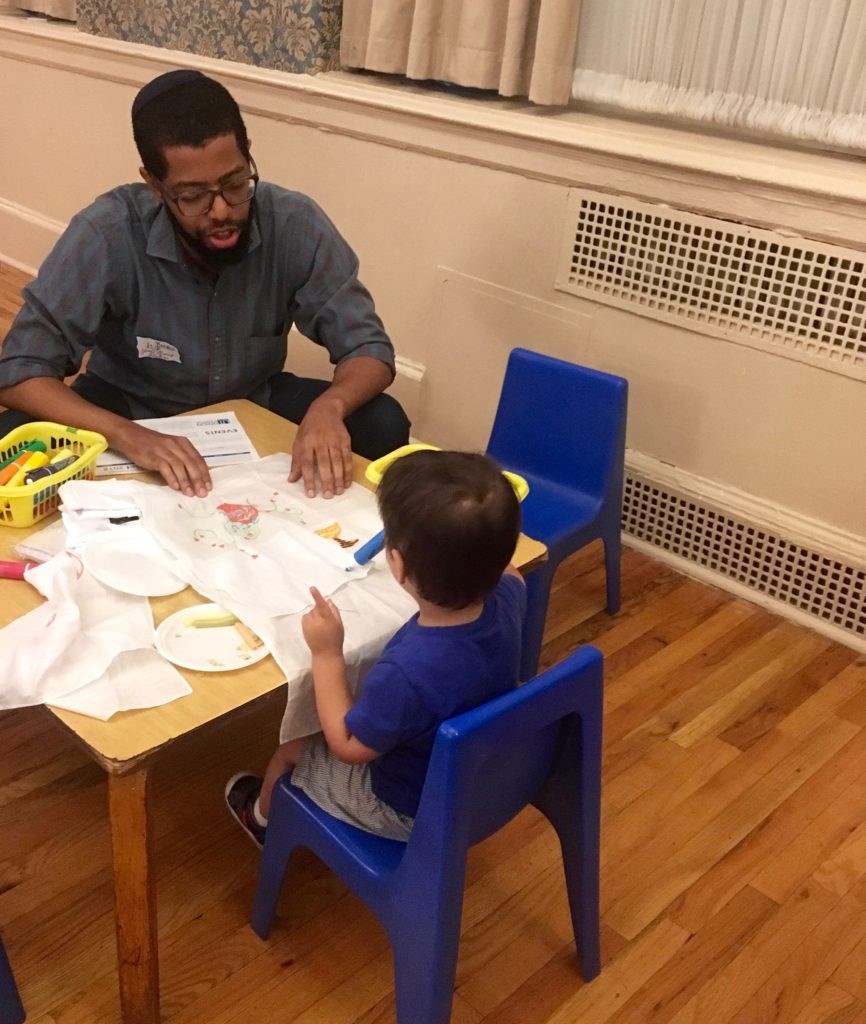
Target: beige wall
[(458, 219)]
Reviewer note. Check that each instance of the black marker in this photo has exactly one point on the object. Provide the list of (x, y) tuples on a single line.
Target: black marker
[(49, 470)]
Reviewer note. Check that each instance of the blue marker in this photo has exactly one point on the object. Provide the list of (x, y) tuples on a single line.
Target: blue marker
[(368, 551)]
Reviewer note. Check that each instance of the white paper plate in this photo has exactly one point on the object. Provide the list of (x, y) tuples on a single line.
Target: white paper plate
[(129, 559), (204, 648)]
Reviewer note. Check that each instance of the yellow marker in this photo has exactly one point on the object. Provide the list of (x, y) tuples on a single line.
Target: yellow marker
[(36, 460), (62, 454)]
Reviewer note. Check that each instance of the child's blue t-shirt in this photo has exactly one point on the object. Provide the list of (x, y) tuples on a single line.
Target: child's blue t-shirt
[(427, 674)]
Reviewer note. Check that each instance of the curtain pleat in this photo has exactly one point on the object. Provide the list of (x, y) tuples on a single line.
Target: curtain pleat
[(516, 47), (790, 67)]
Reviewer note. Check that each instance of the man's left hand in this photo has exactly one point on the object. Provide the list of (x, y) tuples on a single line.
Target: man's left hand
[(322, 446)]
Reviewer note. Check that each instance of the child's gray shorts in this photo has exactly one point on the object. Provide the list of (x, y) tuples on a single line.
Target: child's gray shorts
[(345, 791)]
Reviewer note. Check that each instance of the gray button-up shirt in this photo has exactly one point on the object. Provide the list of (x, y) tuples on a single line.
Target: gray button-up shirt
[(170, 339)]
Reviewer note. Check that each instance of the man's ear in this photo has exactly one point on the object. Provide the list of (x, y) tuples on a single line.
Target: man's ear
[(148, 179)]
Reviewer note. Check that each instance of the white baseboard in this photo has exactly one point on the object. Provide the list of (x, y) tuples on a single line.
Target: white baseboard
[(805, 570), (27, 236), (717, 579), (811, 533)]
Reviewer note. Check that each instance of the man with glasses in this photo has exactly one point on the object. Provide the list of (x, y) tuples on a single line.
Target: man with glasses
[(183, 290)]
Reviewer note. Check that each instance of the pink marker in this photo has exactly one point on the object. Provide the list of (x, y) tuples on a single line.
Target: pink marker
[(15, 570)]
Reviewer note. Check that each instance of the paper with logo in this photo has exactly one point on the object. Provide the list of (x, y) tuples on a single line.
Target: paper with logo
[(218, 437)]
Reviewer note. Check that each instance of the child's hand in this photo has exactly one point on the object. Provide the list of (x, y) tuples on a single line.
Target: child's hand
[(322, 626)]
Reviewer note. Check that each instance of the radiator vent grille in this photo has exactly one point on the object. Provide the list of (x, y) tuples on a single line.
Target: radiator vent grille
[(788, 295), (812, 582)]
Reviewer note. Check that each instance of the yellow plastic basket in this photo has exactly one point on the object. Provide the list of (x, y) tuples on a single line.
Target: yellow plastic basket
[(28, 503), (376, 470)]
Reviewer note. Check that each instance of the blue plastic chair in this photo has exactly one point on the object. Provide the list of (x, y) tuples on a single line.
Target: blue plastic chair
[(562, 427), (539, 744), (11, 1010)]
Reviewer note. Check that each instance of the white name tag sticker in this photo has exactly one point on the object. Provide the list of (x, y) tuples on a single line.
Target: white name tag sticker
[(150, 348)]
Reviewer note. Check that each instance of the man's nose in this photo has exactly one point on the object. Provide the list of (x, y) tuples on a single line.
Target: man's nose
[(220, 208)]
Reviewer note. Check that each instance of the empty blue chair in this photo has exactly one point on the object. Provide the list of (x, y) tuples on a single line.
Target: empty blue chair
[(11, 1010), (562, 427), (540, 744)]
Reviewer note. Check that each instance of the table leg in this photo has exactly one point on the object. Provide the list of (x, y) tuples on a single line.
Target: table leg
[(134, 898)]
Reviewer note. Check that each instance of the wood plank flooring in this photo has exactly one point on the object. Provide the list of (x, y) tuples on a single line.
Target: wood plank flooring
[(733, 852)]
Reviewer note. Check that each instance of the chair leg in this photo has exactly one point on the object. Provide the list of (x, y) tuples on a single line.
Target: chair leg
[(579, 832), (582, 858), (537, 596), (272, 871), (11, 1010), (425, 963), (612, 559)]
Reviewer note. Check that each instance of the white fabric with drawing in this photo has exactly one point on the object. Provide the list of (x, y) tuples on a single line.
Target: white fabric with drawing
[(255, 545)]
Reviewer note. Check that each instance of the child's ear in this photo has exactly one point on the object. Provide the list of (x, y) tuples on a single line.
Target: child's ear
[(396, 565)]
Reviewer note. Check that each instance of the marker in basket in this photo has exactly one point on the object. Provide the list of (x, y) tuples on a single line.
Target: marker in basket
[(29, 446), (32, 475), (13, 474)]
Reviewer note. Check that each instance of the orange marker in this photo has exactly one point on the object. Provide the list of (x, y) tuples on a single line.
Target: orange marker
[(19, 463), (36, 461)]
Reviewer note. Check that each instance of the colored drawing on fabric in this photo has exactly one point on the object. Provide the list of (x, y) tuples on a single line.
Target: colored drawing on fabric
[(333, 532)]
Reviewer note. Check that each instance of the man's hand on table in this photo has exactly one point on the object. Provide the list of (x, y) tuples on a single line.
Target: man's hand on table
[(322, 445), (174, 458)]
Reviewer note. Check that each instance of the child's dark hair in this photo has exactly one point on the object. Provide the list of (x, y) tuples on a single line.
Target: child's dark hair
[(454, 518), (189, 113)]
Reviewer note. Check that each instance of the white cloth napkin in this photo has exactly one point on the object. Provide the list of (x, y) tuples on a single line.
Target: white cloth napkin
[(83, 517), (65, 650)]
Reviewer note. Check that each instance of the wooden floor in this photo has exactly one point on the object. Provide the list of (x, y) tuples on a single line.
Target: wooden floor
[(734, 849)]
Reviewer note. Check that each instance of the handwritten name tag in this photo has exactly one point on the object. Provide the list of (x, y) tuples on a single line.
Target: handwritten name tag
[(150, 348)]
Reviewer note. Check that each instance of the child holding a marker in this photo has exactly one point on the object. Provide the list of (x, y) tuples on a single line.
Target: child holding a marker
[(451, 525)]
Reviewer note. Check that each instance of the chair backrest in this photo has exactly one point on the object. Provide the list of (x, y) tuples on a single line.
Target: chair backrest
[(560, 421), (489, 763)]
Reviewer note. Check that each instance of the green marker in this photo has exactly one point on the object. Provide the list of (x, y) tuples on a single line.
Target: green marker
[(30, 446)]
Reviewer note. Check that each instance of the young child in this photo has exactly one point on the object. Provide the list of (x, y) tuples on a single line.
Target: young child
[(451, 523)]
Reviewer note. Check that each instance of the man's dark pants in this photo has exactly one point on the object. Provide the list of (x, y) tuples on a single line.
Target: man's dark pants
[(376, 428)]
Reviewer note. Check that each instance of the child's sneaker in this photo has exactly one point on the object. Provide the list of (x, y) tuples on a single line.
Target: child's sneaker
[(242, 791)]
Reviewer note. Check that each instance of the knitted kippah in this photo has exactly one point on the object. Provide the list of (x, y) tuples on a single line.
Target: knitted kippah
[(161, 84)]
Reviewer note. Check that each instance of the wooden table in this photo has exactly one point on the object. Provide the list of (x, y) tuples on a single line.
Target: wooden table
[(126, 745)]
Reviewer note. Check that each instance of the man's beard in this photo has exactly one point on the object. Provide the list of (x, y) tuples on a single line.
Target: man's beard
[(215, 259)]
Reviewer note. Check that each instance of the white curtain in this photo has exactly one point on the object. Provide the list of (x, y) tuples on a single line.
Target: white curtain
[(791, 67), (52, 8), (517, 47)]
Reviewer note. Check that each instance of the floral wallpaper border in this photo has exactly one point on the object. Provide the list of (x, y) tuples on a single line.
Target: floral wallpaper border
[(288, 35)]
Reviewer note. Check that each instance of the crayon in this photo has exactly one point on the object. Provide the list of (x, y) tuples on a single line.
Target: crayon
[(251, 639)]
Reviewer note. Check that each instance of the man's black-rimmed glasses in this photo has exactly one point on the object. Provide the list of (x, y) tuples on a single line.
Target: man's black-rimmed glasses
[(198, 202)]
